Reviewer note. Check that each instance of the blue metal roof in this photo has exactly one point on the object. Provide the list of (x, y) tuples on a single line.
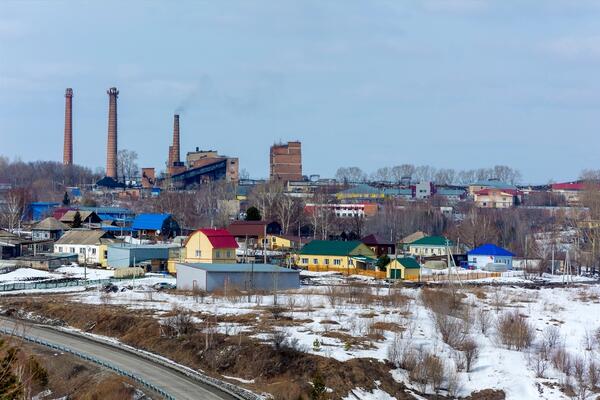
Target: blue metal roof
[(244, 268), (150, 221), (490, 250), (109, 228)]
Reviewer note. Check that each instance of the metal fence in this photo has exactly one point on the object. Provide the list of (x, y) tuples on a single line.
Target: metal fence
[(95, 360), (7, 287)]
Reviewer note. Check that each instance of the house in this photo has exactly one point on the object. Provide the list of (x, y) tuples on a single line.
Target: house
[(153, 257), (285, 242), (223, 277), (48, 229), (497, 198), (379, 245), (89, 245), (405, 268), (451, 195), (423, 190), (12, 246), (155, 226), (87, 218), (347, 257), (488, 253), (253, 233), (430, 246), (489, 184), (209, 246), (345, 210), (405, 241), (570, 190)]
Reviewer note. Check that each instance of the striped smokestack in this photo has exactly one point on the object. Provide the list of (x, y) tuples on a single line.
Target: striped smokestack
[(111, 148), (68, 141)]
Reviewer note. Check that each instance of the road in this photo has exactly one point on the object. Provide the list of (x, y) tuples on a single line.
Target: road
[(173, 382)]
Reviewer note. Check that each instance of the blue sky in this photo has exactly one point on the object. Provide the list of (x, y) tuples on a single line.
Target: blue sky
[(451, 83)]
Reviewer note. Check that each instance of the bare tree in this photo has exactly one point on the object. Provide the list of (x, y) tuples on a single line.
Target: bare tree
[(13, 209), (127, 167), (350, 174)]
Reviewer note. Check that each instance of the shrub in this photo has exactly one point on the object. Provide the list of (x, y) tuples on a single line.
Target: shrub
[(515, 331), (451, 329), (484, 318), (470, 350)]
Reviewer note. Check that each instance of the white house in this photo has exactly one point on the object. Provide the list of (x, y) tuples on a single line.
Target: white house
[(87, 244), (486, 254)]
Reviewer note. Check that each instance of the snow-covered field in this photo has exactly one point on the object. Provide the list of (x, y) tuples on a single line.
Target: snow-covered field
[(342, 329)]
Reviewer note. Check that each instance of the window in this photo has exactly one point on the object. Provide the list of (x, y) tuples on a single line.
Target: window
[(304, 261), (327, 261), (228, 253), (60, 249), (72, 250), (315, 261), (82, 251), (93, 251), (337, 261), (218, 254), (198, 253)]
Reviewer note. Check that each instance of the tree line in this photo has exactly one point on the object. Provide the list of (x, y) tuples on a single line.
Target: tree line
[(441, 176)]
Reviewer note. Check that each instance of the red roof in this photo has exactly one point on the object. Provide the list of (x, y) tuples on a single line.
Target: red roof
[(568, 186), (218, 238)]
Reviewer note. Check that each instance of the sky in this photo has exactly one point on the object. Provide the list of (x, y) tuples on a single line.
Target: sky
[(449, 83)]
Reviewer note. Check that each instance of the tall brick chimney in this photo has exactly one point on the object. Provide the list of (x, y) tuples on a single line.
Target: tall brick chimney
[(68, 141), (111, 148), (176, 150)]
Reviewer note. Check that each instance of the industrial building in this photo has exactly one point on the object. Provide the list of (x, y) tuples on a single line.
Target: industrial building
[(286, 162), (220, 277)]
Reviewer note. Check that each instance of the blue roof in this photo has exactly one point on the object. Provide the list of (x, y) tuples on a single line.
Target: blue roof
[(450, 192), (150, 221), (490, 250), (110, 228), (245, 268)]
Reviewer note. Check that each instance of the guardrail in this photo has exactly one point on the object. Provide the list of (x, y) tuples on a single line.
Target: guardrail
[(95, 360)]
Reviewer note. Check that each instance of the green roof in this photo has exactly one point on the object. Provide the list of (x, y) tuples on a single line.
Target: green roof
[(330, 247), (408, 262), (432, 241)]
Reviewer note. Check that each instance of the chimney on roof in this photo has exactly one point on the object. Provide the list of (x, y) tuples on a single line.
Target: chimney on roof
[(68, 140), (111, 148)]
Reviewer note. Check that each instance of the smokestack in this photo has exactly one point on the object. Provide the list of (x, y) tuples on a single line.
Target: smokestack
[(176, 152), (68, 141), (111, 148)]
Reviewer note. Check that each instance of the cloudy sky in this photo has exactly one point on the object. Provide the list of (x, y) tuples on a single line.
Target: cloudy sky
[(451, 83)]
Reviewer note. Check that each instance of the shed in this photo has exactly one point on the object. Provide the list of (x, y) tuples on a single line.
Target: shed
[(404, 268), (125, 255), (216, 277), (156, 225)]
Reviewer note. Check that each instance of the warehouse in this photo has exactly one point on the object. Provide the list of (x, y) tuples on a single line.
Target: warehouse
[(153, 256), (216, 277)]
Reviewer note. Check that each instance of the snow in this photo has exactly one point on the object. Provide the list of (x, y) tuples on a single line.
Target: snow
[(239, 379), (361, 394), (27, 274), (345, 332), (74, 271)]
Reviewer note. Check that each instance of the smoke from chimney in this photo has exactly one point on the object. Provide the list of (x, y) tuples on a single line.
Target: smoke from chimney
[(68, 140), (111, 148)]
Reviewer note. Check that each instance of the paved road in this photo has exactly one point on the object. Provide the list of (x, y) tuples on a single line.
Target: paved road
[(176, 384)]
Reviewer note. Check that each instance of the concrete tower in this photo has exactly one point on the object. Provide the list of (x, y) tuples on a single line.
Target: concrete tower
[(111, 148), (68, 141)]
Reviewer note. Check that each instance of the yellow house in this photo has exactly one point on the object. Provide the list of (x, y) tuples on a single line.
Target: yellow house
[(328, 255), (285, 242), (429, 246), (404, 268), (210, 246)]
